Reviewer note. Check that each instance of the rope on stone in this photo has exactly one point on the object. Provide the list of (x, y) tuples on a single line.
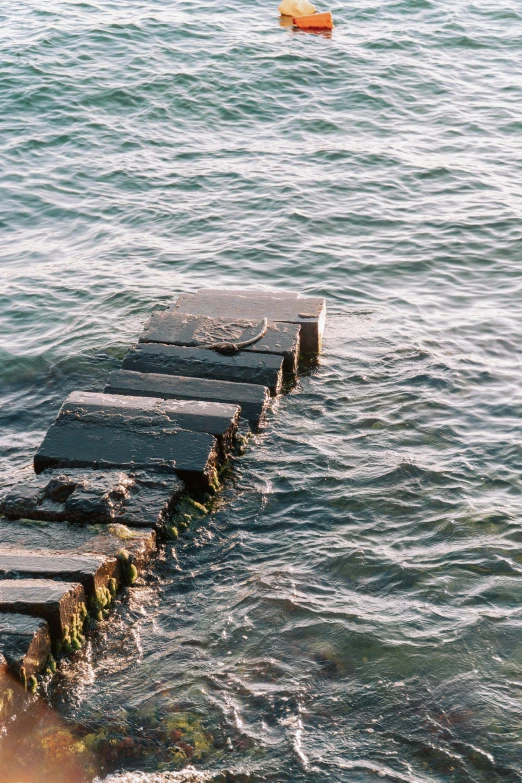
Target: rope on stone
[(229, 348)]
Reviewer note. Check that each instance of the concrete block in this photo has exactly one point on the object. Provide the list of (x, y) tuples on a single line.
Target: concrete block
[(217, 419), (251, 398), (308, 312), (25, 643), (261, 369), (192, 331), (86, 540), (74, 444), (92, 572), (56, 602), (139, 545)]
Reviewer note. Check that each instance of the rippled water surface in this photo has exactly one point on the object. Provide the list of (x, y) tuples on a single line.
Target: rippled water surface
[(352, 608)]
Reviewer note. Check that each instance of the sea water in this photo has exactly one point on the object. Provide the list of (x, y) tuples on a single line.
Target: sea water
[(352, 608)]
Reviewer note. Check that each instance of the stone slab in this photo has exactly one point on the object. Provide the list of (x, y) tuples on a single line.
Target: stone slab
[(191, 455), (55, 602), (218, 419), (25, 642), (308, 312), (92, 572), (106, 540), (139, 545), (251, 398), (192, 331), (136, 499), (260, 369)]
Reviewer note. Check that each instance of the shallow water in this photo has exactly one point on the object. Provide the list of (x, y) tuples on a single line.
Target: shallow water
[(351, 610)]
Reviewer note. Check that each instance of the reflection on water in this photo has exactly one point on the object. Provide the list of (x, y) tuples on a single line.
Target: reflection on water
[(38, 744), (350, 610)]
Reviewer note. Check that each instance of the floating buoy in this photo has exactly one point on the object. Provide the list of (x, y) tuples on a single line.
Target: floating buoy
[(296, 8), (314, 21)]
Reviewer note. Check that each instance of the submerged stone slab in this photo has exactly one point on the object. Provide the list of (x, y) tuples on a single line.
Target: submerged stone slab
[(25, 643), (251, 398), (92, 572), (56, 602), (151, 413), (309, 312), (261, 369), (137, 498), (194, 331), (191, 455)]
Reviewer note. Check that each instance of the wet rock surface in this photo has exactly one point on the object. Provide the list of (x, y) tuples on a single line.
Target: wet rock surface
[(308, 312), (153, 414), (174, 328), (56, 602), (104, 539), (115, 459), (243, 367), (251, 398), (192, 455), (25, 643), (137, 499), (92, 572)]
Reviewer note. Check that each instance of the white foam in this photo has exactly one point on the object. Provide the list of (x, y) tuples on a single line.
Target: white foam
[(187, 775)]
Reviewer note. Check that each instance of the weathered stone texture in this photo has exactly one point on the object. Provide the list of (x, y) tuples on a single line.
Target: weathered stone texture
[(137, 499), (153, 414), (106, 540), (75, 444), (56, 602), (251, 398), (25, 643), (173, 328), (92, 572), (261, 369), (308, 312)]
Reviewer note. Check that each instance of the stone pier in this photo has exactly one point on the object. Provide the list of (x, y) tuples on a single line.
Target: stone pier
[(138, 459)]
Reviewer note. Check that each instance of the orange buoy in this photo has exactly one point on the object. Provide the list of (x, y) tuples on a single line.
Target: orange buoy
[(314, 21)]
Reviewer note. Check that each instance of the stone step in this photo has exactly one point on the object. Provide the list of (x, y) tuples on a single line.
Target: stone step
[(252, 399), (92, 572), (256, 368), (108, 541), (135, 498), (25, 643), (191, 455), (192, 331), (218, 419), (56, 602), (138, 546), (308, 312)]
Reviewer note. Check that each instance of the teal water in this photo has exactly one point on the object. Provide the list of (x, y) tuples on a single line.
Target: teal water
[(352, 610)]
